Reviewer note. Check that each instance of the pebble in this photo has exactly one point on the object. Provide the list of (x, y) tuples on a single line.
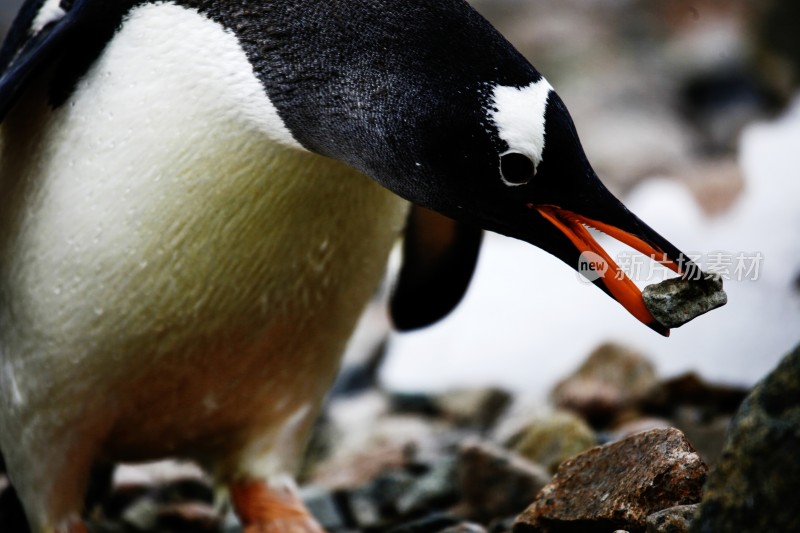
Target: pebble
[(676, 301)]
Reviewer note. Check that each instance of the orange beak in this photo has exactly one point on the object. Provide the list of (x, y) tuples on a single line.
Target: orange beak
[(613, 279)]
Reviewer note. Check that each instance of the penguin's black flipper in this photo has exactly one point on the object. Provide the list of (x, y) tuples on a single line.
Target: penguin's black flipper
[(26, 51), (73, 39), (439, 258), (19, 33)]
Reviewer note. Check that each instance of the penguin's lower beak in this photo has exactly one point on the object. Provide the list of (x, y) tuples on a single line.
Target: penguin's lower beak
[(608, 215)]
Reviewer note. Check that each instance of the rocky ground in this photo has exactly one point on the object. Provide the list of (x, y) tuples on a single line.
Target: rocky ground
[(617, 448)]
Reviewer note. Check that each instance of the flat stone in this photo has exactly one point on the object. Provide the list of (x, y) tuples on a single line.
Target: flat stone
[(756, 483), (673, 520), (676, 301), (618, 485)]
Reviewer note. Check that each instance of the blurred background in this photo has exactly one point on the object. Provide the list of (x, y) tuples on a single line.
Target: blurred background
[(687, 111)]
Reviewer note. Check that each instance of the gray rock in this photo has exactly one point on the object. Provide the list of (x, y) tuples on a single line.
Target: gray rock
[(676, 301), (478, 408), (436, 489), (376, 504), (673, 520), (496, 483), (758, 475)]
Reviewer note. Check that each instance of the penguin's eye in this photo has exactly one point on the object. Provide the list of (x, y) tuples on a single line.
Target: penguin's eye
[(516, 169)]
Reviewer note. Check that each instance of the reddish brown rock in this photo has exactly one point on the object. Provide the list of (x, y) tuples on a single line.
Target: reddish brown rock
[(617, 486), (611, 380)]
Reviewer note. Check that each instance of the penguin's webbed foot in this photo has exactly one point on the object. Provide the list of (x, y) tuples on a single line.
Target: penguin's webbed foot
[(265, 509)]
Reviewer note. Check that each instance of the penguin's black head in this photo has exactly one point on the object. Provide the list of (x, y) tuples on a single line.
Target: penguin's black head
[(519, 169), (428, 99)]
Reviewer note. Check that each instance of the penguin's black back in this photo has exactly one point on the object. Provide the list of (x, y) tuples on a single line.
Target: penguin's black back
[(416, 58), (361, 57)]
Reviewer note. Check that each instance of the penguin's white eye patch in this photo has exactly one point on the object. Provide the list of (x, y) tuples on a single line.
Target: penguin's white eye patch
[(518, 114), (516, 168)]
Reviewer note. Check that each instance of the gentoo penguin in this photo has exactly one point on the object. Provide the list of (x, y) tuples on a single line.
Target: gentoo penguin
[(199, 196)]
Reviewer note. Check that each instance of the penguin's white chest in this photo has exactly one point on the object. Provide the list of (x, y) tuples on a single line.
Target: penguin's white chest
[(164, 245)]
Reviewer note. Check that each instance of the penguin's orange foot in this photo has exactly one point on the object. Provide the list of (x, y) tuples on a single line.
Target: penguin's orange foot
[(265, 509)]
